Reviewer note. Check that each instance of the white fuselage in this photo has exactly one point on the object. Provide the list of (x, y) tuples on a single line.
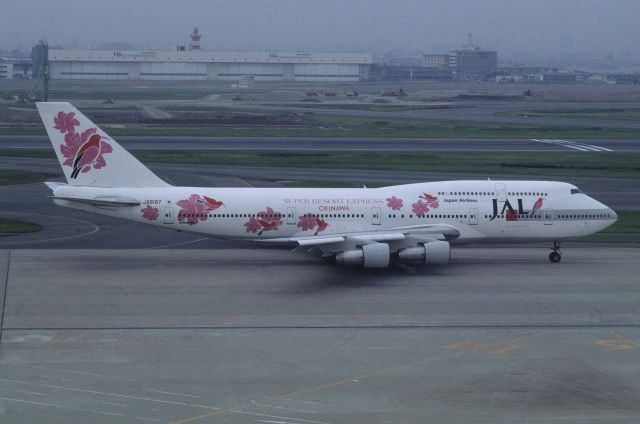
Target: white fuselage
[(482, 211)]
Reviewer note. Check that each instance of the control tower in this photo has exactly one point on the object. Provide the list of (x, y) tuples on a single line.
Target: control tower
[(195, 39)]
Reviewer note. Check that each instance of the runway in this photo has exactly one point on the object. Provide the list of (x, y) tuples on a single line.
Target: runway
[(264, 336), (345, 144)]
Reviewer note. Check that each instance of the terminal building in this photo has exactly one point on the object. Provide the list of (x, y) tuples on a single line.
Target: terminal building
[(197, 64)]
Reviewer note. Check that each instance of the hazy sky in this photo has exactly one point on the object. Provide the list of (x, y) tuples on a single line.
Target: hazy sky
[(541, 27)]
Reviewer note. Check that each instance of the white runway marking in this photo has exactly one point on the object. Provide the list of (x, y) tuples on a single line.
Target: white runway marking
[(114, 404), (287, 419), (583, 147), (49, 405), (598, 147), (31, 393), (30, 402), (172, 393), (75, 389), (306, 411)]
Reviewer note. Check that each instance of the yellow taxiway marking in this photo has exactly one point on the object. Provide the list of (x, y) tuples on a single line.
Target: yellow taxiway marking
[(631, 342), (615, 344), (358, 378), (95, 228), (506, 349), (465, 344)]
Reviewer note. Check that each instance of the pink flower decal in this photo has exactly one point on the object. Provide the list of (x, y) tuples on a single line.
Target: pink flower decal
[(196, 208), (306, 222), (309, 222), (253, 226), (420, 207), (432, 201), (394, 203), (84, 150), (268, 220), (150, 213), (65, 122)]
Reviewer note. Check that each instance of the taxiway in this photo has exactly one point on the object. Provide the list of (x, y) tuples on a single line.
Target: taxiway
[(237, 336), (346, 144)]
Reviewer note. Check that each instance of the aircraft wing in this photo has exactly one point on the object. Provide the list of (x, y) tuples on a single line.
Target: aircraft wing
[(426, 231)]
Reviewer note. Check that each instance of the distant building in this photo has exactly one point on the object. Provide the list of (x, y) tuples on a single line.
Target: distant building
[(400, 73), (438, 61), (625, 79), (6, 70), (474, 63), (198, 64), (560, 77), (15, 68)]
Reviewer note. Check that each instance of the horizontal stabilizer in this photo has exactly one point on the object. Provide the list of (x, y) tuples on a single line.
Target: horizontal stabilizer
[(101, 201), (54, 185)]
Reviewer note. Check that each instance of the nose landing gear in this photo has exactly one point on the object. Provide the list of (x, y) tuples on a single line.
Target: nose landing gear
[(556, 255)]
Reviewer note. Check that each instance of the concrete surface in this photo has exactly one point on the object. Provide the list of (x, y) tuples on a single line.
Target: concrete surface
[(264, 336)]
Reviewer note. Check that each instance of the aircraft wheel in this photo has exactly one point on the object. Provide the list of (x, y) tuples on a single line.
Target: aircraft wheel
[(555, 257)]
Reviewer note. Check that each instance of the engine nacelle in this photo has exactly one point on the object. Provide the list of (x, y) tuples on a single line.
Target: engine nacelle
[(432, 253), (375, 255)]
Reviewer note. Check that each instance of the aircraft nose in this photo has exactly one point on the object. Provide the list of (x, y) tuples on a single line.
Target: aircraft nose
[(613, 214)]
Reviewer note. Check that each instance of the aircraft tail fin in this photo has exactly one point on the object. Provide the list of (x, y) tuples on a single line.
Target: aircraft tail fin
[(88, 156)]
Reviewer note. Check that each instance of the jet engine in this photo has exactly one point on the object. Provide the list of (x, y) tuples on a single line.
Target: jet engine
[(432, 253), (376, 255)]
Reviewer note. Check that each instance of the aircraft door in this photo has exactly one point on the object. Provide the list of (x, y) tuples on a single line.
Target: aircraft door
[(168, 215), (376, 217), (501, 192), (473, 216), (548, 216), (291, 216)]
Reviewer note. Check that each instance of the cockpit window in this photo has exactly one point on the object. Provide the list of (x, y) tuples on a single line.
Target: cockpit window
[(575, 191)]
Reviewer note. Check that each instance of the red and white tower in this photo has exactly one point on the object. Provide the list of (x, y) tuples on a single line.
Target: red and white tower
[(195, 39)]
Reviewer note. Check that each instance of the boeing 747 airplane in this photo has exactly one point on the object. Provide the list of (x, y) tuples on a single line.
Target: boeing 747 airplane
[(369, 227)]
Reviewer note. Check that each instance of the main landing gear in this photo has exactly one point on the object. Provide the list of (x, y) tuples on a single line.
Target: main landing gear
[(556, 255)]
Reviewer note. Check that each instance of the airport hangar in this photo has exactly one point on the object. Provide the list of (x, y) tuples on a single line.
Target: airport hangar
[(208, 65)]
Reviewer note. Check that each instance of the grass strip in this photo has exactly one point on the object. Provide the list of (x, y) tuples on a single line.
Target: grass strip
[(10, 176), (370, 107), (613, 114), (625, 230), (611, 238), (313, 125), (13, 226), (332, 184)]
